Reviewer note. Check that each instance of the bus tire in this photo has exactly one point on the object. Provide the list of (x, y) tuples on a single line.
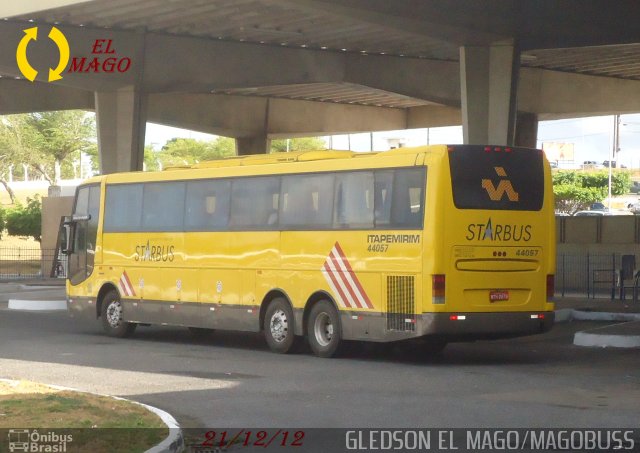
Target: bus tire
[(278, 326), (112, 315), (323, 329)]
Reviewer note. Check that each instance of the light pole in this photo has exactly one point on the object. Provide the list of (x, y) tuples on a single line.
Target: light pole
[(614, 151), (627, 131)]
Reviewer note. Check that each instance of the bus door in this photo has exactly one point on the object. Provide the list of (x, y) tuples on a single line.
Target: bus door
[(82, 231)]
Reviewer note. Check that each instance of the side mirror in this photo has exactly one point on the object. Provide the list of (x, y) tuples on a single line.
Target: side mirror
[(66, 239)]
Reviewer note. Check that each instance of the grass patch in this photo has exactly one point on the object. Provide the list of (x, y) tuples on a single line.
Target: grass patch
[(123, 426)]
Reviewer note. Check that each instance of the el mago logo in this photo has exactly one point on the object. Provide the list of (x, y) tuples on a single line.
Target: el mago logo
[(103, 57), (504, 187), (25, 67)]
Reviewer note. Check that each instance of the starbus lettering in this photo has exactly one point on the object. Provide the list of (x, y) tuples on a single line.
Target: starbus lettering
[(99, 63), (151, 252), (489, 231)]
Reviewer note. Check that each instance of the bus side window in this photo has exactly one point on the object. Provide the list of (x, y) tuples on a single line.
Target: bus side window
[(408, 193), (307, 201), (253, 200), (354, 200), (207, 205), (163, 206), (383, 196), (123, 207)]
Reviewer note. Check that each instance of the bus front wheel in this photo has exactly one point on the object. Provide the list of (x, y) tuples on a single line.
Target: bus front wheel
[(112, 315), (323, 329), (278, 326)]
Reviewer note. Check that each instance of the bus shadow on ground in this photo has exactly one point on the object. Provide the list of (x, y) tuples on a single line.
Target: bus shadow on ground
[(485, 352)]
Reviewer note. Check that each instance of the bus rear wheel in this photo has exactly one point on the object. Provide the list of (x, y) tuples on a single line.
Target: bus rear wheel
[(112, 315), (323, 329), (278, 326)]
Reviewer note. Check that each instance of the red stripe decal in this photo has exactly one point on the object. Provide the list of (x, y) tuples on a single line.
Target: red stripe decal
[(336, 285), (353, 274), (343, 278)]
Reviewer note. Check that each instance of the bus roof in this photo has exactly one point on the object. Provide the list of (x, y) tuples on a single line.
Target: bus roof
[(258, 160), (295, 156)]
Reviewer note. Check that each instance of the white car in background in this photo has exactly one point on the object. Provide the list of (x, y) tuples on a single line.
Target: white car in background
[(591, 213), (634, 207)]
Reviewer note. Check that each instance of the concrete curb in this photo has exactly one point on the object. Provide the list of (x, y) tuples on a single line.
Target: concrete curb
[(594, 339), (580, 315), (37, 305), (173, 443), (569, 314)]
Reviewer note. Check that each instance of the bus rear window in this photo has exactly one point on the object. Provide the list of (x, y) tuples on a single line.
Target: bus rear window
[(496, 177)]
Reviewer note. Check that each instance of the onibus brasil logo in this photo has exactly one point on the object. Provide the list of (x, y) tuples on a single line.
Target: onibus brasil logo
[(33, 441)]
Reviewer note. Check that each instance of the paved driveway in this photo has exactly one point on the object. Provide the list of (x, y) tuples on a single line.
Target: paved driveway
[(232, 380)]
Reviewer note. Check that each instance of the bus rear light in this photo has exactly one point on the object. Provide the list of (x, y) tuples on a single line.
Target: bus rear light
[(551, 286), (438, 288), (457, 317), (538, 316), (450, 148), (497, 149)]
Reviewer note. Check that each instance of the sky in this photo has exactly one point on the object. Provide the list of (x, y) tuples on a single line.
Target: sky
[(591, 137)]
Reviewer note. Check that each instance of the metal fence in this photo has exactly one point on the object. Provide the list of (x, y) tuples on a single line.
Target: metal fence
[(595, 275), (20, 262)]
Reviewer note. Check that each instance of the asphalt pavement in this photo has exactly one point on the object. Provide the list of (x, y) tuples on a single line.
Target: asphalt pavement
[(232, 380)]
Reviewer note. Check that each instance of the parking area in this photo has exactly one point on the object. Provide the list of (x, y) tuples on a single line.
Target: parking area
[(232, 380)]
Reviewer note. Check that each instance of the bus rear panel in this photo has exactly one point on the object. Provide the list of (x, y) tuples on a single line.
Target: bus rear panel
[(493, 274)]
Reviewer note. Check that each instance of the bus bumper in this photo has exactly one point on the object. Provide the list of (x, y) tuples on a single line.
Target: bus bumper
[(487, 325), (458, 326)]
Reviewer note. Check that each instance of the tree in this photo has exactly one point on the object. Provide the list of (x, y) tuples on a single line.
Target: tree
[(571, 198), (2, 220), (189, 151), (151, 161), (25, 220), (298, 144), (13, 147), (576, 190), (55, 136)]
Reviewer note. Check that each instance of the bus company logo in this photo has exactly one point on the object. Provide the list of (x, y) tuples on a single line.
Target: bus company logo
[(504, 187), (33, 441), (489, 231), (343, 281), (104, 57)]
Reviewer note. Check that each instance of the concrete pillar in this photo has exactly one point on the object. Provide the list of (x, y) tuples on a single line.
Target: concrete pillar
[(527, 130), (253, 145), (488, 83), (121, 120)]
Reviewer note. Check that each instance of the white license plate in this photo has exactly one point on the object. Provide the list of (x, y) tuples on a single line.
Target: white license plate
[(498, 296)]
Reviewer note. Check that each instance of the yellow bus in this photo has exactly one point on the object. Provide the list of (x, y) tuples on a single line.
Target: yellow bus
[(438, 243)]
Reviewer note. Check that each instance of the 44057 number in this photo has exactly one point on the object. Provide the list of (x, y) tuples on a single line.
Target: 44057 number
[(527, 252)]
